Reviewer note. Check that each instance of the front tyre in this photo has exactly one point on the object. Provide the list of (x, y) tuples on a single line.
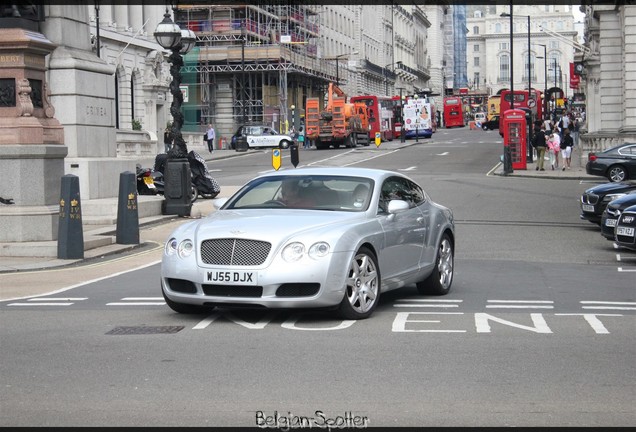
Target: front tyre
[(440, 280), (362, 290)]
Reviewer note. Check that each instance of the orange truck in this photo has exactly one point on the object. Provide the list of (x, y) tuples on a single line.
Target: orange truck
[(339, 123)]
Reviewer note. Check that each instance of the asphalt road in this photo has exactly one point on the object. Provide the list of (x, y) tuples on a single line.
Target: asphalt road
[(538, 329)]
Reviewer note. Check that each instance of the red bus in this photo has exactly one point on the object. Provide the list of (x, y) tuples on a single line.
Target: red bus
[(381, 115), (453, 111), (521, 100)]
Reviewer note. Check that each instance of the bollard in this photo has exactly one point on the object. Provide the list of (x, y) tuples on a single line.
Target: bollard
[(293, 153), (70, 236), (177, 188), (127, 209)]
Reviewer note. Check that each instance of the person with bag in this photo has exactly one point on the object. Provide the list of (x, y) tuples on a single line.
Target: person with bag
[(538, 142)]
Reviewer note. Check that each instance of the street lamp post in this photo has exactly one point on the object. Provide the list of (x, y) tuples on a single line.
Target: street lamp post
[(545, 80), (243, 90), (507, 156), (417, 119), (177, 170), (530, 149), (337, 59)]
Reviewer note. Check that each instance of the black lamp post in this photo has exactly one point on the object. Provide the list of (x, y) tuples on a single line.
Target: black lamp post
[(507, 156), (177, 170), (243, 89), (417, 119), (545, 79)]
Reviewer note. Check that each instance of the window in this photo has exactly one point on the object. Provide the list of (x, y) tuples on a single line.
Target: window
[(476, 61), (476, 30), (476, 48), (498, 28), (559, 25), (476, 79), (504, 67), (503, 46)]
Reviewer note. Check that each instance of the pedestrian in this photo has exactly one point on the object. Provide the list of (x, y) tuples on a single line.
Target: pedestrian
[(167, 139), (566, 149), (301, 138), (556, 147), (539, 144), (553, 151), (209, 136), (575, 131)]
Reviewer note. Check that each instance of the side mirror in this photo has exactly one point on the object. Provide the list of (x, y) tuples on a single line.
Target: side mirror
[(397, 206), (219, 202)]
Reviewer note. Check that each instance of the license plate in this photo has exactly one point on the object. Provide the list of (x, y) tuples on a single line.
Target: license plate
[(149, 180), (625, 231), (610, 222), (588, 208), (231, 277)]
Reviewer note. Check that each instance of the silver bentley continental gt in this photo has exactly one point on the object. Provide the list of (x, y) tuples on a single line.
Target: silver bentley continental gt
[(311, 238)]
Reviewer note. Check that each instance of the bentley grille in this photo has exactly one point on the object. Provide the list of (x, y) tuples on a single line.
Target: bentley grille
[(238, 252)]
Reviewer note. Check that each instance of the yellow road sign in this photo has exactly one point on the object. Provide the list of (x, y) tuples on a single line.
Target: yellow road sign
[(276, 158), (378, 139)]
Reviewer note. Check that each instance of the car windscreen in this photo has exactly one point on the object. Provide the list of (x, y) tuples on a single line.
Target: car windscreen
[(335, 193)]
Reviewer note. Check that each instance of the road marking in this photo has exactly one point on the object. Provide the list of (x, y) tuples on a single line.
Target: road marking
[(520, 304), (40, 304), (411, 168), (49, 301), (442, 154), (604, 305), (430, 303), (139, 301)]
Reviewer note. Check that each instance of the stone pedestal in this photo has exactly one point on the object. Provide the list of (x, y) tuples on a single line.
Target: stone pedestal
[(32, 149)]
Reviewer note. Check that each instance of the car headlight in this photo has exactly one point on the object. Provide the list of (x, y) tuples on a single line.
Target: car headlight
[(185, 248), (612, 197), (293, 252), (171, 246), (318, 250)]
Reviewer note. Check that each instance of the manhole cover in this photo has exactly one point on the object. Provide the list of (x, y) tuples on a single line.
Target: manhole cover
[(145, 330)]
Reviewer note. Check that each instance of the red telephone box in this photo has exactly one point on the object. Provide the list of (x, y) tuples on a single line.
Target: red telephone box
[(514, 135)]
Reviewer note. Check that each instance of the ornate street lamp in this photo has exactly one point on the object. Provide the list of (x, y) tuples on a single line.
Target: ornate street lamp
[(177, 170)]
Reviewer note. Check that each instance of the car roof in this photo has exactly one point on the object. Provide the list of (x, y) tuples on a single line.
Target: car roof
[(375, 174)]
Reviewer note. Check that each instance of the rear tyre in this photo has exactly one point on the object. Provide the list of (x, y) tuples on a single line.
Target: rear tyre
[(194, 193), (616, 173), (440, 280), (362, 290)]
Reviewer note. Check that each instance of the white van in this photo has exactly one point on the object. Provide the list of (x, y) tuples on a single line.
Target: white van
[(480, 117)]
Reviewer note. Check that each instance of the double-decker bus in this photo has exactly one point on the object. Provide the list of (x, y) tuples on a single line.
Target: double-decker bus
[(493, 106), (521, 100), (453, 111), (381, 115)]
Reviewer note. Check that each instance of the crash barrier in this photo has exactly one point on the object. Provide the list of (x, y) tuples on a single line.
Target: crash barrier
[(70, 235), (127, 209)]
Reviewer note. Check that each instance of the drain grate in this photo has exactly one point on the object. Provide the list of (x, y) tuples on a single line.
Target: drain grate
[(138, 330)]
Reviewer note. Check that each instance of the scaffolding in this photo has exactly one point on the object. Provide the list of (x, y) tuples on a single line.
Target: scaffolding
[(255, 60)]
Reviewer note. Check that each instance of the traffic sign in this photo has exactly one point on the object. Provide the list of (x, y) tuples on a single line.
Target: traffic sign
[(276, 158), (378, 139)]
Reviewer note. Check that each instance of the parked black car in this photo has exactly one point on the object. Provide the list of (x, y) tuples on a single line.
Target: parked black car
[(617, 164), (595, 199), (491, 124), (625, 232), (612, 213)]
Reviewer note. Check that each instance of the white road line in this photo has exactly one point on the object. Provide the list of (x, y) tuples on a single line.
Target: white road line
[(608, 303), (442, 154), (46, 299), (143, 298), (520, 301), (609, 307), (40, 304), (518, 307), (621, 269), (427, 305), (432, 300), (136, 304)]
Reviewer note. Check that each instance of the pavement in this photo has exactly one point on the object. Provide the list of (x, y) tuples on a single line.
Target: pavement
[(22, 277)]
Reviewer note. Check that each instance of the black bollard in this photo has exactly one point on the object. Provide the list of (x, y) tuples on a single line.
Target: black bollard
[(177, 188), (70, 236), (127, 212), (293, 153), (507, 161)]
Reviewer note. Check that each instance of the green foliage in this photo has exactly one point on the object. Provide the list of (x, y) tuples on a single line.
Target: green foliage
[(136, 124)]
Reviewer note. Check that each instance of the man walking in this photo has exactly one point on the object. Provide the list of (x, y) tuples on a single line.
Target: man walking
[(209, 135)]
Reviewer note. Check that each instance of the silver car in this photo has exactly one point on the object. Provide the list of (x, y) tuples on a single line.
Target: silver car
[(309, 238)]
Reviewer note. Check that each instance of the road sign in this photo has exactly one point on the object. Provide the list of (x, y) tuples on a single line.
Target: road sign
[(378, 139), (276, 158)]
